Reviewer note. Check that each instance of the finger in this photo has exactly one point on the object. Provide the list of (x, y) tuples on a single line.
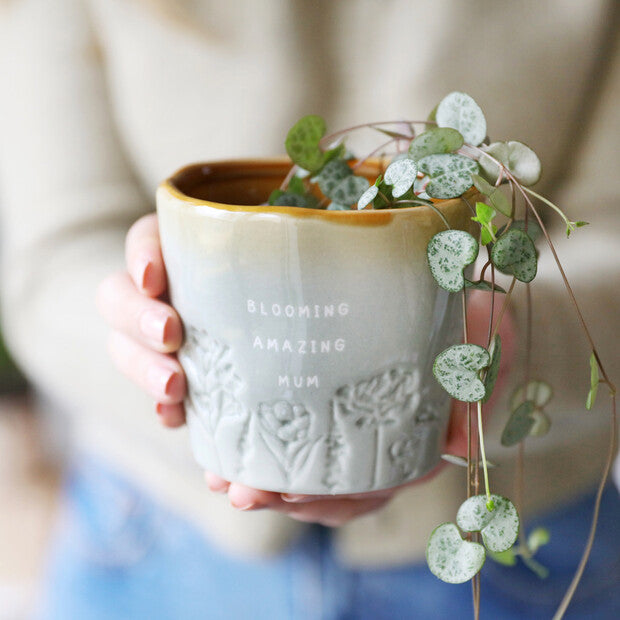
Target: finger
[(243, 497), (143, 255), (333, 513), (145, 320), (171, 416), (159, 375), (216, 483)]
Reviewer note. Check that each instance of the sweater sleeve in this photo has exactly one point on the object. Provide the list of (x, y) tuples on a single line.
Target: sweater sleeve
[(67, 196), (67, 199)]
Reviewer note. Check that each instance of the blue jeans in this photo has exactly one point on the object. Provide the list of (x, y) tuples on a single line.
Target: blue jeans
[(120, 556)]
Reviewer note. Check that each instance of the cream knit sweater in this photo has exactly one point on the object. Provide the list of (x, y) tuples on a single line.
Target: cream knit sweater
[(102, 99)]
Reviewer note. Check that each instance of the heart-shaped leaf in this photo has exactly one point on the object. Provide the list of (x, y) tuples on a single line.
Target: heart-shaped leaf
[(539, 392), (499, 527), (331, 174), (461, 112), (519, 158), (448, 253), (519, 424), (457, 371), (483, 285), (451, 558), (400, 174), (302, 142), (496, 197), (493, 370), (367, 197), (534, 231), (450, 174), (514, 253), (436, 140), (349, 190)]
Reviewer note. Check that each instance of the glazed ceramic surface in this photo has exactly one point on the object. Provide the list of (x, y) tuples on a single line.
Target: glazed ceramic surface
[(309, 334)]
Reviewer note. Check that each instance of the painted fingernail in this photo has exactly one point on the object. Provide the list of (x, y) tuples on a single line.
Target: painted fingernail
[(246, 507), (162, 380), (294, 499), (153, 324), (142, 272)]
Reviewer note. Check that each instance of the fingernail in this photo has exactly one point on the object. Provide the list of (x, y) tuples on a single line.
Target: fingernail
[(246, 507), (291, 497), (162, 380), (142, 273), (153, 325)]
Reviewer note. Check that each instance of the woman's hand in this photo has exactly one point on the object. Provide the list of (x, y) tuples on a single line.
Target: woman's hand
[(146, 332)]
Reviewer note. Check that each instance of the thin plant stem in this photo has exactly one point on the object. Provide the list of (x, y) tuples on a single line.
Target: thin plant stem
[(567, 285), (327, 140), (561, 610), (483, 454), (492, 309), (289, 175), (363, 160), (549, 204)]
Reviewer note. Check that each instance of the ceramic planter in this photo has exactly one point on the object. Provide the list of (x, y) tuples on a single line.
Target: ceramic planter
[(309, 334)]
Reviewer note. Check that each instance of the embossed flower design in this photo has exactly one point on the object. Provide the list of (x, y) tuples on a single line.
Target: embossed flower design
[(383, 399), (285, 429), (286, 421), (403, 454), (213, 384)]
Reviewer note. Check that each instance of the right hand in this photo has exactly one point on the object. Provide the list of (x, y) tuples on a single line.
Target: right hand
[(146, 331)]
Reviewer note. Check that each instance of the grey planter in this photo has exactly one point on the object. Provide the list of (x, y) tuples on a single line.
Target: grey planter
[(309, 334)]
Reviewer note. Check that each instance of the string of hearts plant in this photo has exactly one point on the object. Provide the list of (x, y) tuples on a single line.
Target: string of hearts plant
[(443, 160)]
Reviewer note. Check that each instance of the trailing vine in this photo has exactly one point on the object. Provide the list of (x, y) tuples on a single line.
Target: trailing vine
[(443, 160)]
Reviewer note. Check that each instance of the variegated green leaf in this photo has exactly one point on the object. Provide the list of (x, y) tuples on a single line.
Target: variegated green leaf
[(302, 142), (514, 253), (400, 174), (519, 158), (367, 197), (457, 370), (434, 141), (452, 559), (493, 370), (519, 424), (349, 190), (450, 174), (449, 252), (331, 175), (461, 112), (499, 527)]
